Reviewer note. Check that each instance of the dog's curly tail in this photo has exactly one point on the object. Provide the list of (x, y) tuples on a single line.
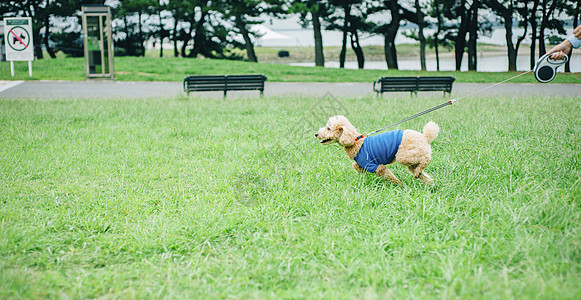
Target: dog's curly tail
[(431, 131)]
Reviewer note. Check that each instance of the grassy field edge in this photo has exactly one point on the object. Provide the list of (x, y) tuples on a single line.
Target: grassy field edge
[(175, 69)]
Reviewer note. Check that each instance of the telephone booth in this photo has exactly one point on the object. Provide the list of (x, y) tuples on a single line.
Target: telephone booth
[(97, 41)]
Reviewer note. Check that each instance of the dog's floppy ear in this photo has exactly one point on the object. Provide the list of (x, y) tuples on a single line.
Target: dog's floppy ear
[(348, 135)]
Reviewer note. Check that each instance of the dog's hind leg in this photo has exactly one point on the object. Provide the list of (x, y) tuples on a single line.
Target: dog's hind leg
[(419, 167), (423, 175), (386, 173), (358, 168), (412, 168), (426, 178)]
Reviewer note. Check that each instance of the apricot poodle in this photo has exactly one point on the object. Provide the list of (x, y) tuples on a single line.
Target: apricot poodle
[(409, 148)]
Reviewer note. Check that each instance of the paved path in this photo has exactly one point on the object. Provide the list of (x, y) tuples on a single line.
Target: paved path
[(100, 89)]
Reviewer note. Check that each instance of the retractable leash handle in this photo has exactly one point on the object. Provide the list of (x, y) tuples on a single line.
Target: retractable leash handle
[(546, 68)]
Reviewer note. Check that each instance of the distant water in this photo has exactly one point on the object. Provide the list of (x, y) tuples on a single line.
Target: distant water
[(484, 64), (290, 33), (294, 36), (304, 37)]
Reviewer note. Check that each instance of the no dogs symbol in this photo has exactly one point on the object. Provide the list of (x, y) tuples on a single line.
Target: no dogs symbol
[(19, 38)]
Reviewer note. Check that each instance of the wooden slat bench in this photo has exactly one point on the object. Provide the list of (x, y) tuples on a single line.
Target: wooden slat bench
[(203, 83), (414, 84)]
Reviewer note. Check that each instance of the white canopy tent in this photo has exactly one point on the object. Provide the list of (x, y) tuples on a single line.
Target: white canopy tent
[(268, 37)]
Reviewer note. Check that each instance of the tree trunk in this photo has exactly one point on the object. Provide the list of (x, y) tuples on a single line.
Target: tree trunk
[(357, 49), (199, 42), (542, 47), (533, 47), (459, 48), (390, 33), (460, 41), (509, 44), (246, 35), (161, 30), (141, 39), (125, 44), (175, 37), (473, 37), (521, 38), (188, 35), (519, 41), (421, 36), (186, 40), (347, 9), (200, 37), (533, 21), (50, 50), (390, 51), (437, 34), (547, 12), (319, 56), (506, 13), (37, 43), (343, 51)]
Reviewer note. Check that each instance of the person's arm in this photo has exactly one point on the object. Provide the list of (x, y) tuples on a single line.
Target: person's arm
[(572, 41), (575, 38)]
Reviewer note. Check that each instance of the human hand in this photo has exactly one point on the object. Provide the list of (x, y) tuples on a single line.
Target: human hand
[(577, 32), (558, 52)]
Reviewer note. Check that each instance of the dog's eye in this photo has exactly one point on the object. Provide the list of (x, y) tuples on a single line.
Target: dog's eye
[(328, 128)]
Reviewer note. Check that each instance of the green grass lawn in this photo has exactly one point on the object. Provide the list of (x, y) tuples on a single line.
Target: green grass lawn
[(175, 69), (198, 197)]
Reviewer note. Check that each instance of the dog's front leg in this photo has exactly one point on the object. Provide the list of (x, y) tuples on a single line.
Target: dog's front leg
[(386, 173), (358, 168)]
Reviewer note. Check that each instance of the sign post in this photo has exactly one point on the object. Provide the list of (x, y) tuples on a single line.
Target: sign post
[(18, 41)]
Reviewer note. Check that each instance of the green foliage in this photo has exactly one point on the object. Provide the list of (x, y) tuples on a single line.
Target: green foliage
[(176, 68), (204, 198), (69, 42), (208, 28), (306, 8)]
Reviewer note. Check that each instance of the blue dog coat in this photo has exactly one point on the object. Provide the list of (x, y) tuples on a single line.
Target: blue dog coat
[(378, 150)]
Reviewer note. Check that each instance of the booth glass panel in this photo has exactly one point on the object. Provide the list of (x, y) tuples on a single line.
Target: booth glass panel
[(94, 43), (105, 43)]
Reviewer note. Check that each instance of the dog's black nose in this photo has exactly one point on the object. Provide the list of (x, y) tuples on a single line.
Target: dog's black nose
[(316, 135)]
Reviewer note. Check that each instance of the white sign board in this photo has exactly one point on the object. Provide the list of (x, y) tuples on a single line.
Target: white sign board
[(18, 39)]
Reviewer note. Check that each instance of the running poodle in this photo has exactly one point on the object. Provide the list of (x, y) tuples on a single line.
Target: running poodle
[(409, 148)]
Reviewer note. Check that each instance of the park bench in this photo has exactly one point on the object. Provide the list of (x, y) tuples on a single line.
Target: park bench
[(414, 84), (224, 83)]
